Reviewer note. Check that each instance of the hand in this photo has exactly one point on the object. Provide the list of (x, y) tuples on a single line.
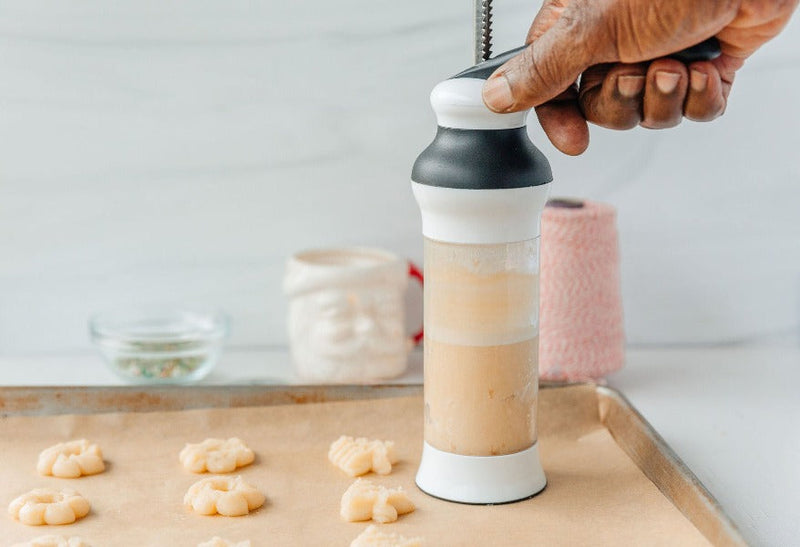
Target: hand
[(608, 43)]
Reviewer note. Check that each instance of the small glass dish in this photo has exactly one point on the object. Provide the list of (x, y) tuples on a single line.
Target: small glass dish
[(160, 346)]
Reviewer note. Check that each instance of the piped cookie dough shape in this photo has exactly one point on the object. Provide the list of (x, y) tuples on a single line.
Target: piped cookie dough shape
[(365, 500), (231, 497), (53, 541), (359, 456), (48, 506), (373, 537), (216, 456), (71, 459), (217, 541)]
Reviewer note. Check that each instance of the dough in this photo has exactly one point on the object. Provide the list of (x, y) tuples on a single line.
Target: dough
[(53, 541), (365, 500), (216, 456), (219, 542), (70, 460), (373, 537), (227, 496), (359, 456), (48, 506)]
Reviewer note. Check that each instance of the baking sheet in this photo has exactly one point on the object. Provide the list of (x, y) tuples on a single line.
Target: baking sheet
[(596, 494)]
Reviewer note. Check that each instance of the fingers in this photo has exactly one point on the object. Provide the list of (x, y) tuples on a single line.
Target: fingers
[(611, 95), (705, 100), (621, 96), (562, 121), (664, 93)]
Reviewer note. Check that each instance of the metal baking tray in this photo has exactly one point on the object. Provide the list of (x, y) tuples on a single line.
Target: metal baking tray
[(631, 431)]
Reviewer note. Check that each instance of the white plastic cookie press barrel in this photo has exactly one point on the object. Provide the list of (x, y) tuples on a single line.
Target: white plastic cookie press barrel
[(481, 216), (478, 217), (481, 479)]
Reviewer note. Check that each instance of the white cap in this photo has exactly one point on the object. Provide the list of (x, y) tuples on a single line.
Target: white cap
[(458, 104)]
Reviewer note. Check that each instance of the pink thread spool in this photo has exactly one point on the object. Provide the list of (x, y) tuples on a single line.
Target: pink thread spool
[(581, 330)]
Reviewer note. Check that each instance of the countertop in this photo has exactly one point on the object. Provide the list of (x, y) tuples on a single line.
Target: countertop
[(729, 412)]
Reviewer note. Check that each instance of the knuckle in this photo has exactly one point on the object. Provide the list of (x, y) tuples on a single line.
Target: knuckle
[(538, 69), (532, 75)]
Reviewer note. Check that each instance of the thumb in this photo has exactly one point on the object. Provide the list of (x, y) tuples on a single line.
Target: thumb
[(548, 15), (548, 66)]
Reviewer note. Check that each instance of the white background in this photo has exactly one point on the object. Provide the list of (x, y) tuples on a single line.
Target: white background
[(177, 152)]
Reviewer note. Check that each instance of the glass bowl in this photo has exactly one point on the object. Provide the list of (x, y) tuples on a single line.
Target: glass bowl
[(160, 346)]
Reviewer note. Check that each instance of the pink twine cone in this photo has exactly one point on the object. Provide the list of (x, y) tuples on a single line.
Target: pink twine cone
[(581, 332)]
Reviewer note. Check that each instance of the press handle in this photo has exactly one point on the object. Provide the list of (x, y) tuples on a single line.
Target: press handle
[(706, 50)]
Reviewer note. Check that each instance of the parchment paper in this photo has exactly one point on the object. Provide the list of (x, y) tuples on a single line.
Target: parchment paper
[(595, 494)]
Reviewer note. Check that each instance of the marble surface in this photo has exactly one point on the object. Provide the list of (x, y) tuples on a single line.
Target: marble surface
[(159, 152), (729, 412)]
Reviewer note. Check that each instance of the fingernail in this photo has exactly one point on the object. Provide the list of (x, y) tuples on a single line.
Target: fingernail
[(666, 82), (497, 94), (630, 86), (698, 80)]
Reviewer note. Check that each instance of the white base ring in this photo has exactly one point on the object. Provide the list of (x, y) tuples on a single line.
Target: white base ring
[(481, 479)]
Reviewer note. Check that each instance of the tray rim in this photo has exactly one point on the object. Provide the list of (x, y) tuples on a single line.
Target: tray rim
[(728, 533)]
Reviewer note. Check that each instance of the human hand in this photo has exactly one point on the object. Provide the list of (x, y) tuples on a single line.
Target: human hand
[(608, 43)]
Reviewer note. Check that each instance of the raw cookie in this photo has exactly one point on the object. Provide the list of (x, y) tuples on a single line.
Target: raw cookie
[(216, 456), (48, 506), (70, 460), (53, 541), (359, 456), (219, 542), (227, 496), (373, 537), (365, 500)]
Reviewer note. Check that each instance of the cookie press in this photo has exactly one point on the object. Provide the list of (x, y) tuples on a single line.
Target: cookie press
[(481, 186)]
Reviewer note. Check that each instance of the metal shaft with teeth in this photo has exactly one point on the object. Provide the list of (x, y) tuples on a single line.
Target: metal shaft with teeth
[(483, 30)]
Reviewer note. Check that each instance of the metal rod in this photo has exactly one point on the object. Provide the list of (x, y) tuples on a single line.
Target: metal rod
[(483, 30)]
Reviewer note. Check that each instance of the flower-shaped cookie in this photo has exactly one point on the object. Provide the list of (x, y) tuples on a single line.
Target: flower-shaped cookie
[(70, 460), (365, 500), (358, 456), (373, 537), (48, 506), (216, 456), (53, 541), (219, 542), (227, 496)]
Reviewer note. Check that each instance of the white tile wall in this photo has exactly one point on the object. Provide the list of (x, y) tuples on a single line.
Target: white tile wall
[(157, 152)]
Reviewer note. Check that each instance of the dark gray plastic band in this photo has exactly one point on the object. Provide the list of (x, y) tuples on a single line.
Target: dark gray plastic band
[(482, 160), (485, 69)]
